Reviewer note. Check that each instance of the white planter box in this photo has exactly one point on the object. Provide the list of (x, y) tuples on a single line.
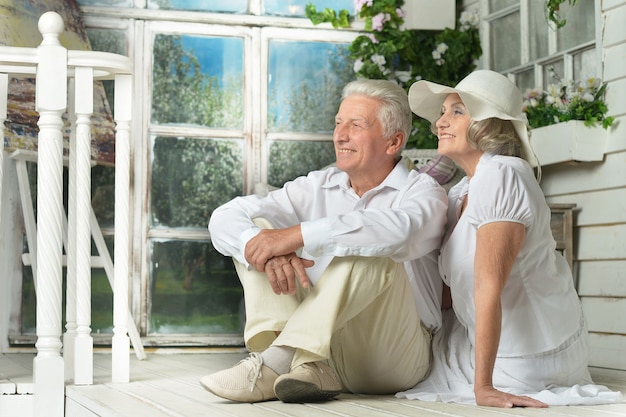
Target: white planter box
[(568, 141)]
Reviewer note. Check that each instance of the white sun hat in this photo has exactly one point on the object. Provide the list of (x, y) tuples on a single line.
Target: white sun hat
[(485, 94)]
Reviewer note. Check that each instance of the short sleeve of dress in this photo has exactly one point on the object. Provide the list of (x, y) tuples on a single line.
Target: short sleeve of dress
[(498, 193)]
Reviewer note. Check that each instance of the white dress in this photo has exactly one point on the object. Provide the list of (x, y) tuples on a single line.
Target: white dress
[(543, 350)]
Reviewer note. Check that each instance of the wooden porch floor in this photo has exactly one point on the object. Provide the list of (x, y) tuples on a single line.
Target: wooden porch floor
[(166, 385)]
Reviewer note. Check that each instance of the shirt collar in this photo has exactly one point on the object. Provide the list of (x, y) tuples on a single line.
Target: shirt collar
[(396, 178)]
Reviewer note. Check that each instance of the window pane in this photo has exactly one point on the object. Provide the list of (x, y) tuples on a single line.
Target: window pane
[(580, 26), (101, 300), (230, 6), (103, 194), (585, 64), (538, 36), (526, 80), (305, 83), (191, 177), (291, 159), (553, 73), (198, 80), (296, 7), (194, 289), (495, 5), (505, 42)]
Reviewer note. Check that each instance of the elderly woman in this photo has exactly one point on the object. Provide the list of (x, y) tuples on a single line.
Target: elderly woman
[(517, 335)]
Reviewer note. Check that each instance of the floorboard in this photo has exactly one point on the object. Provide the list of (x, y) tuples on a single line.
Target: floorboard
[(166, 385)]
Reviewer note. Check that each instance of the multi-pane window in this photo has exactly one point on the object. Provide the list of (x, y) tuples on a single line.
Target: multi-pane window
[(522, 43), (232, 92)]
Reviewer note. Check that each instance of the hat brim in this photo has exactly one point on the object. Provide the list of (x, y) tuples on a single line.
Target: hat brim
[(426, 99)]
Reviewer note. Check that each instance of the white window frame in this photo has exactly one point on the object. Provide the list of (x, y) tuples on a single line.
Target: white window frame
[(553, 54)]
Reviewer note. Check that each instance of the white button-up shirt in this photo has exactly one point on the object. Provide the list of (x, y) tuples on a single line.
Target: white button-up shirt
[(403, 218)]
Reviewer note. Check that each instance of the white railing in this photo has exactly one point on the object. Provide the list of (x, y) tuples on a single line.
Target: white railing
[(54, 69)]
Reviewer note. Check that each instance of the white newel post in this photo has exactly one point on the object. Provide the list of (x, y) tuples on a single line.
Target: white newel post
[(121, 344), (51, 101), (83, 348)]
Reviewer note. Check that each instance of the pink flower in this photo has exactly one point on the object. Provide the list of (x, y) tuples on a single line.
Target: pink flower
[(379, 20), (358, 4)]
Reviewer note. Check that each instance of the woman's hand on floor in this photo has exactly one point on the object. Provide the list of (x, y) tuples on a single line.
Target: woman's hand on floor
[(491, 397)]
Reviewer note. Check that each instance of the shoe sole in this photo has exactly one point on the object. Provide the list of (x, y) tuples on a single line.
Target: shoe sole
[(296, 391)]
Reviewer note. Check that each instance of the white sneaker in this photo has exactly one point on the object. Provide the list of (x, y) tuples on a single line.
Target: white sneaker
[(249, 381)]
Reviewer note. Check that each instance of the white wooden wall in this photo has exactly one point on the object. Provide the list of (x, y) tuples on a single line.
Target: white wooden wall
[(599, 190)]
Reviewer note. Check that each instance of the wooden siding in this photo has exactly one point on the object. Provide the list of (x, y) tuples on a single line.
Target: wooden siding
[(599, 191)]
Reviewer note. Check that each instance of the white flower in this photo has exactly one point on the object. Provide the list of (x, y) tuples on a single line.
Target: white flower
[(442, 48), (468, 19), (436, 54), (591, 83), (378, 59), (553, 94), (358, 64), (403, 76)]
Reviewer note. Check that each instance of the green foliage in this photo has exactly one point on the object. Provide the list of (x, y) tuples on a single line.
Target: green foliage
[(387, 51), (568, 100), (341, 19), (552, 11)]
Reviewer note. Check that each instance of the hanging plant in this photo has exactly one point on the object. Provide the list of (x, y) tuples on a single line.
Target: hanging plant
[(552, 11), (387, 51)]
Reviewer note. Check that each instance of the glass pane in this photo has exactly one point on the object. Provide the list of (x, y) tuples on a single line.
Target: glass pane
[(305, 83), (296, 7), (107, 40), (525, 80), (580, 26), (194, 289), (198, 80), (191, 177), (291, 159), (505, 42), (229, 6), (101, 299), (538, 36), (553, 73), (103, 194), (585, 64), (495, 5)]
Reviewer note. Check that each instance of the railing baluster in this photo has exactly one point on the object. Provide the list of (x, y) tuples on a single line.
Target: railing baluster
[(83, 365)]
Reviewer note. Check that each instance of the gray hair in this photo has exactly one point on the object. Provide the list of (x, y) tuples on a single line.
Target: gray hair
[(394, 114)]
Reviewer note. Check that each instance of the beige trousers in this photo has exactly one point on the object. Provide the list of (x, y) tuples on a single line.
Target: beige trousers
[(360, 315)]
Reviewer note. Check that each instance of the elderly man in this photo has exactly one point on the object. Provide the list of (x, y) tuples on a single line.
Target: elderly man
[(339, 268)]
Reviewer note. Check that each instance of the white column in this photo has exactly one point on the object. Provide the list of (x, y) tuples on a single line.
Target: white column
[(83, 348), (120, 343), (51, 100)]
